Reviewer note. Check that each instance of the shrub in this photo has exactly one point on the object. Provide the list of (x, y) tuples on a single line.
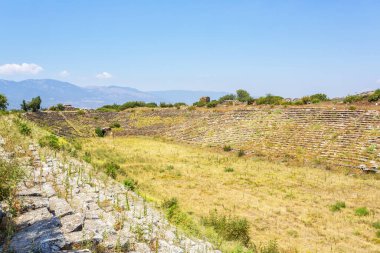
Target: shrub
[(81, 112), (241, 153), (58, 107), (112, 169), (170, 203), (243, 96), (271, 247), (269, 100), (375, 96), (337, 206), (227, 97), (227, 148), (115, 125), (51, 141), (376, 225), (11, 174), (200, 104), (378, 234), (166, 105), (319, 97), (191, 108), (179, 218), (212, 104), (306, 100), (109, 108), (35, 104), (87, 157), (24, 129), (352, 108), (151, 105), (131, 104), (362, 211), (99, 132), (230, 228), (352, 98), (130, 184), (179, 104), (3, 102), (228, 169)]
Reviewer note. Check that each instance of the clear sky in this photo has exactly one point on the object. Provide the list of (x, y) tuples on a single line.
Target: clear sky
[(289, 48)]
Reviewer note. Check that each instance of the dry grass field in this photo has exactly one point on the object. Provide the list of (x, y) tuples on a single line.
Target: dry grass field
[(304, 209)]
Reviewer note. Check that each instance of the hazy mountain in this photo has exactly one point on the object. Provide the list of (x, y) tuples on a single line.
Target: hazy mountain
[(54, 91)]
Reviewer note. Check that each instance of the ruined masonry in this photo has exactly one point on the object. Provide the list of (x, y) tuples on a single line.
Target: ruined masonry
[(63, 207)]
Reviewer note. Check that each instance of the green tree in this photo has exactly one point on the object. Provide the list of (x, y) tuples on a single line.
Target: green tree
[(35, 104), (243, 95), (3, 102), (24, 106), (60, 107)]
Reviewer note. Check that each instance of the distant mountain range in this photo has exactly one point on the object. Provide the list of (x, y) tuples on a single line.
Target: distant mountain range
[(53, 92)]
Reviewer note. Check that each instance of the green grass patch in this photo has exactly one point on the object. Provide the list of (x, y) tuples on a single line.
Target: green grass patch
[(361, 211), (337, 206)]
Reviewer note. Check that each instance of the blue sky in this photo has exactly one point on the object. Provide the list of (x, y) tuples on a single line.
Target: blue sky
[(289, 48)]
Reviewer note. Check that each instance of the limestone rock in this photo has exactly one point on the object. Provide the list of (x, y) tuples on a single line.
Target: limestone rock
[(72, 223), (59, 207), (43, 236), (29, 203), (30, 218)]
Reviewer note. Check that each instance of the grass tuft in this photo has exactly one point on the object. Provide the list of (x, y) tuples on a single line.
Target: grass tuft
[(337, 206), (361, 211)]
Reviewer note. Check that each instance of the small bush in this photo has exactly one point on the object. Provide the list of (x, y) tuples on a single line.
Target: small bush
[(179, 104), (271, 247), (362, 211), (337, 206), (212, 104), (378, 234), (352, 98), (376, 224), (200, 104), (81, 112), (166, 105), (112, 169), (115, 125), (269, 100), (130, 184), (170, 167), (87, 157), (352, 108), (51, 141), (227, 148), (228, 169), (11, 174), (151, 105), (24, 129), (375, 96), (230, 228), (99, 132), (241, 153)]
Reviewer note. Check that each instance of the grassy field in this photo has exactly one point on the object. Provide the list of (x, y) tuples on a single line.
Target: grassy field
[(303, 209)]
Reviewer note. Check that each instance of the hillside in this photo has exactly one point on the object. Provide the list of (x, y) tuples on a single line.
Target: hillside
[(300, 135)]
